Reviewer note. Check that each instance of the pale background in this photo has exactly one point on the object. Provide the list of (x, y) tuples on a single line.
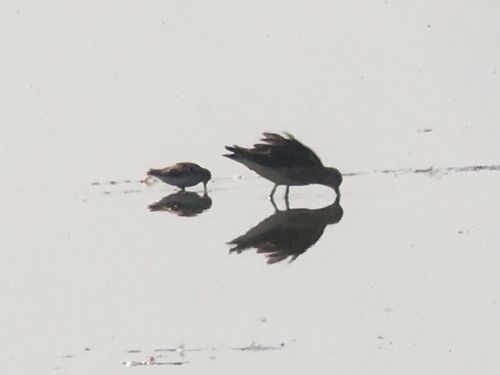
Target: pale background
[(94, 91)]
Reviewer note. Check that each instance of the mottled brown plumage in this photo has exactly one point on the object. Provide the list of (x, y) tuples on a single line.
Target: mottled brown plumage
[(285, 161), (182, 175)]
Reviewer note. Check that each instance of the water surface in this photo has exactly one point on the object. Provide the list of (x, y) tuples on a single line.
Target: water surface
[(103, 274)]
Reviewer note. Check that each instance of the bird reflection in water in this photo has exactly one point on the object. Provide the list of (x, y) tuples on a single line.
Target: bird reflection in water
[(288, 233), (183, 203)]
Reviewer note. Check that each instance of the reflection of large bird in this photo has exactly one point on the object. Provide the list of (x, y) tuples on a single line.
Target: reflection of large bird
[(183, 203), (285, 161), (288, 233), (182, 175)]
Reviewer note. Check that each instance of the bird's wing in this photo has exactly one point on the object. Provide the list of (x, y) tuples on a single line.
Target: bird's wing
[(277, 151), (179, 170)]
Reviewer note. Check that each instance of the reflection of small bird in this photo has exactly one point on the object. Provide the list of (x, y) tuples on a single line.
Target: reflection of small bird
[(288, 233), (182, 175), (183, 203), (285, 161)]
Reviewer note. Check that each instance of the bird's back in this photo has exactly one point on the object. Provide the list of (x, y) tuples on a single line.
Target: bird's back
[(276, 151), (180, 174)]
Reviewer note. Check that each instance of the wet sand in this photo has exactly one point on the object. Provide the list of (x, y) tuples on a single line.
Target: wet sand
[(408, 272), (103, 274)]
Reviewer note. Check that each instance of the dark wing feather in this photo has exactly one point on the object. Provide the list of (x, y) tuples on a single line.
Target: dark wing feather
[(178, 170), (277, 151)]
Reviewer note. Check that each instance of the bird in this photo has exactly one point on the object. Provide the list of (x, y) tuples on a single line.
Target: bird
[(182, 175), (288, 233), (284, 160)]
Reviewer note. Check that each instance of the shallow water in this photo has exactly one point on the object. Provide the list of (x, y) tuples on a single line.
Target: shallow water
[(95, 281), (104, 274)]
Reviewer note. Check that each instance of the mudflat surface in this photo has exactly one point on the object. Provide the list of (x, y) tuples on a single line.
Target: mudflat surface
[(95, 281), (104, 274)]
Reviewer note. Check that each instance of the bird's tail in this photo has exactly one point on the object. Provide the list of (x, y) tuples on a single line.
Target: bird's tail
[(154, 207), (238, 245), (237, 152)]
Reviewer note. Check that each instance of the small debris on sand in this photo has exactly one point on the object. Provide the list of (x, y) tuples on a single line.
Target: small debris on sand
[(149, 180)]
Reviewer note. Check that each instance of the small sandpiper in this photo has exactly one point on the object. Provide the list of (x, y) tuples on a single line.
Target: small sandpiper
[(182, 175), (286, 161)]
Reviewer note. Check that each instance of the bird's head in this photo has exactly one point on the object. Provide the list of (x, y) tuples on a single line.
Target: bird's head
[(206, 176), (333, 178)]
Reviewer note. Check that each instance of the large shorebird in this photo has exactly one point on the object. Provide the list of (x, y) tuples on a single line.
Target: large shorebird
[(182, 175), (286, 161)]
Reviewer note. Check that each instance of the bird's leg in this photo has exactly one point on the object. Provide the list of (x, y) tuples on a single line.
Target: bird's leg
[(287, 192), (272, 192), (287, 202), (205, 188), (274, 204), (337, 199)]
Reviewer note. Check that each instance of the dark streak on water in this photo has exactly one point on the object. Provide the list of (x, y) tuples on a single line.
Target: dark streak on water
[(153, 360), (431, 171), (258, 348)]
